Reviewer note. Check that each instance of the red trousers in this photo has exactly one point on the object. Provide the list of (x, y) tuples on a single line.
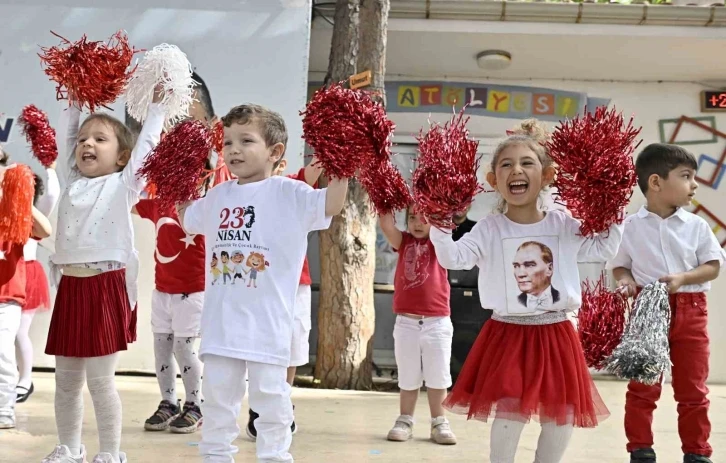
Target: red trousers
[(689, 355)]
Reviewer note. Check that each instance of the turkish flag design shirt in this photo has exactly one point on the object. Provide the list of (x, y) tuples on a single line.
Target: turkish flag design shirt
[(179, 257)]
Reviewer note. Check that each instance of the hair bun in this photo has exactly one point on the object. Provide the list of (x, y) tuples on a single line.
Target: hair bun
[(531, 128)]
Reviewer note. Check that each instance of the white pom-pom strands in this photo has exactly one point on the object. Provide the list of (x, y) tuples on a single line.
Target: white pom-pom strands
[(167, 65)]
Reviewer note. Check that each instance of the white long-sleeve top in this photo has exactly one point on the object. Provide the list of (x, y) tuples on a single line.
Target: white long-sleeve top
[(526, 269), (45, 205), (94, 214)]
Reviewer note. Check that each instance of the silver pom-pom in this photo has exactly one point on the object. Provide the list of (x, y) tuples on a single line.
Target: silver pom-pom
[(643, 354), (167, 65)]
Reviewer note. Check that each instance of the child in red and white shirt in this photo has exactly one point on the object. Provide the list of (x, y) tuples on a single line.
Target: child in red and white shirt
[(423, 332), (178, 298), (176, 312), (12, 299), (300, 345)]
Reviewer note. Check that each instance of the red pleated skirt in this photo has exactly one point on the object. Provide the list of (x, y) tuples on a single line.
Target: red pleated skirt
[(92, 316), (524, 372), (37, 292)]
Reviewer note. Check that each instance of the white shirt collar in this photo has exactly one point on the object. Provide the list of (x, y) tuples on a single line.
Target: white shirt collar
[(680, 213)]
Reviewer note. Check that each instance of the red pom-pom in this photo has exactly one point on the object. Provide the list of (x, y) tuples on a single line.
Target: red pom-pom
[(347, 130), (40, 134), (387, 190), (16, 204), (177, 163), (445, 180), (596, 175), (93, 73), (218, 137), (601, 321)]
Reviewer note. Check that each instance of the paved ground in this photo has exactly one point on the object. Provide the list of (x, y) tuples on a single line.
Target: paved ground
[(344, 426)]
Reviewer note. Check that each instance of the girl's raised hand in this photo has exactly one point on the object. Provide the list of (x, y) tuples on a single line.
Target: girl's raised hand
[(158, 93)]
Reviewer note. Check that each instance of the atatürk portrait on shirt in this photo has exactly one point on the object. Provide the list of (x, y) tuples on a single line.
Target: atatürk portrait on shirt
[(533, 267)]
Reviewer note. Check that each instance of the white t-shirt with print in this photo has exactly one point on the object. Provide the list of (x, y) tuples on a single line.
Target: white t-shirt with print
[(268, 222), (526, 269)]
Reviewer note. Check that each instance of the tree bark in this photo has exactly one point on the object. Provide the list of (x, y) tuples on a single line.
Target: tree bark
[(346, 313)]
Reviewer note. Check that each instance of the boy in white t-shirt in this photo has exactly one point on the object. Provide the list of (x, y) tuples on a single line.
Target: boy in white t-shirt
[(247, 328)]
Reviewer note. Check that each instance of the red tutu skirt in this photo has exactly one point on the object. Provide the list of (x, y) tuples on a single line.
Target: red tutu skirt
[(92, 316), (520, 372), (37, 294)]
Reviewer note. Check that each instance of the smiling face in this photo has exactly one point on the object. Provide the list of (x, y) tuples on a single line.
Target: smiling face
[(519, 175), (98, 151), (255, 261), (246, 153), (533, 269)]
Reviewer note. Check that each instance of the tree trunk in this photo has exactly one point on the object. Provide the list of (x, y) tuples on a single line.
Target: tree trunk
[(346, 313)]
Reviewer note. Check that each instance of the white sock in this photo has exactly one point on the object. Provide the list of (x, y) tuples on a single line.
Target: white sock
[(24, 349), (504, 439), (69, 378), (191, 368), (106, 402), (165, 366), (552, 443)]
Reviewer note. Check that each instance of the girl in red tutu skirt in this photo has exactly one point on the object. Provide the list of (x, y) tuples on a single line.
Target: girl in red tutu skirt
[(94, 316), (527, 361), (37, 291)]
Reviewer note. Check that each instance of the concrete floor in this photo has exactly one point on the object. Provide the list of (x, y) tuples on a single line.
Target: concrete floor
[(344, 426)]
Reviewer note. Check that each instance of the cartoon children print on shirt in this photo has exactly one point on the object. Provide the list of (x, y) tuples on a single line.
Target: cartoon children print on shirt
[(213, 269), (238, 266), (416, 259), (256, 263), (226, 269), (533, 270)]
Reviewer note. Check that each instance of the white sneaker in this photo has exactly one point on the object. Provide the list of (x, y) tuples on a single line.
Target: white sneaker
[(402, 430), (62, 454), (441, 432), (7, 420), (106, 457)]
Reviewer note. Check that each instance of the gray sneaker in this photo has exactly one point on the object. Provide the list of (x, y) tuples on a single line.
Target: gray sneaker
[(402, 430), (7, 420), (441, 432), (107, 458), (62, 454)]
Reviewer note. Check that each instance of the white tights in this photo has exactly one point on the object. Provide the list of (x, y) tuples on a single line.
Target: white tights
[(24, 349), (551, 445), (98, 372)]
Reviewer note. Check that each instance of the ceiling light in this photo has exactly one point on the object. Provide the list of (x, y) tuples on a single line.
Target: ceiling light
[(494, 60)]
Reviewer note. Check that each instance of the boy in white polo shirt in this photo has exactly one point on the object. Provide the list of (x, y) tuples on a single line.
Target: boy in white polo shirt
[(246, 329), (666, 243)]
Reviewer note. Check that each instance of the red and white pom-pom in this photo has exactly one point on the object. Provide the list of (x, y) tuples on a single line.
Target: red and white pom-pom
[(387, 190), (601, 321), (347, 130), (166, 65), (445, 180), (93, 73), (596, 175), (16, 204), (40, 134), (176, 165)]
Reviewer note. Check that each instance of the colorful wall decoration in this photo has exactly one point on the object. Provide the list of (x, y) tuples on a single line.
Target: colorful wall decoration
[(485, 99), (711, 168)]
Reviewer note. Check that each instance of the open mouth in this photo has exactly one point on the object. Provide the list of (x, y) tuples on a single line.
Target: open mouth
[(88, 157), (235, 162), (519, 187)]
